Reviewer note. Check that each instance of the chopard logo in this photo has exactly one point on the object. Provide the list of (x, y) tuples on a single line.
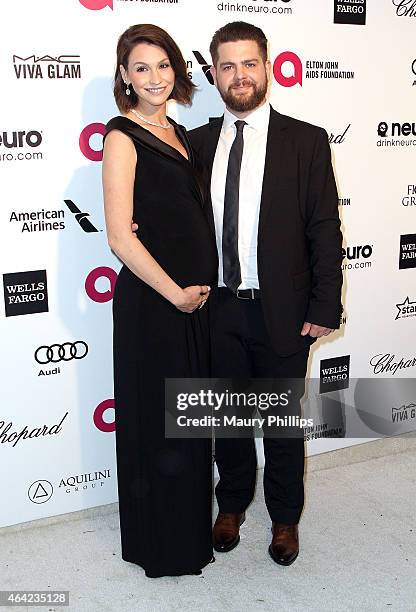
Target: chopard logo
[(13, 437), (385, 363), (405, 8), (61, 352)]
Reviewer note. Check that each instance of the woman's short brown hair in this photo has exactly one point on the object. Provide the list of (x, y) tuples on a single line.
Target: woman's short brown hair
[(153, 35)]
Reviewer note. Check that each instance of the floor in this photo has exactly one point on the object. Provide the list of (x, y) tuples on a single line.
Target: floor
[(357, 535)]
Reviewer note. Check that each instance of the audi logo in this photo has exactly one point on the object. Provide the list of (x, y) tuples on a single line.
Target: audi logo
[(61, 352)]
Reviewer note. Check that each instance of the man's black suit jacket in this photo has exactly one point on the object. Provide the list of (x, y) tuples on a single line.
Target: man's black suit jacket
[(299, 242)]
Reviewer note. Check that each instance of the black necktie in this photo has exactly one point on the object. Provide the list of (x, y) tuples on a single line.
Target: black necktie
[(230, 261)]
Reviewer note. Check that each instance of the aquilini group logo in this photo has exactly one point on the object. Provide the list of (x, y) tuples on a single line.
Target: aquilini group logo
[(406, 309), (407, 257), (84, 141), (81, 218), (91, 282), (288, 69), (20, 145), (410, 198), (79, 483), (358, 257), (396, 134), (47, 66), (350, 11), (339, 138), (335, 374), (40, 491), (264, 7), (405, 8), (25, 292), (29, 221)]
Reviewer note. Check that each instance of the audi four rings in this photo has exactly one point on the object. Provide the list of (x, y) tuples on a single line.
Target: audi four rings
[(61, 352)]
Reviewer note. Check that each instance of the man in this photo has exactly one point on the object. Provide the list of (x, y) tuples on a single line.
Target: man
[(273, 205)]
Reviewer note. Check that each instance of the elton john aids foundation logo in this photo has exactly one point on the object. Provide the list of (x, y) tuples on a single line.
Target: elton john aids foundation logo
[(97, 5), (85, 141), (98, 416), (94, 292), (288, 69)]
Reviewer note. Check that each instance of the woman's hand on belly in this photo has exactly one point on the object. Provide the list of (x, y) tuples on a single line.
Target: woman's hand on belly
[(192, 297)]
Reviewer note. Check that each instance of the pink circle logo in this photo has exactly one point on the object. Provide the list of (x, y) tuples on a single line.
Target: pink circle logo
[(97, 5), (93, 276), (84, 141), (293, 79), (99, 416)]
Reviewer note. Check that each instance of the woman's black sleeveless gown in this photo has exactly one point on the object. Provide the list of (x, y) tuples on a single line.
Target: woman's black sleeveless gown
[(164, 485)]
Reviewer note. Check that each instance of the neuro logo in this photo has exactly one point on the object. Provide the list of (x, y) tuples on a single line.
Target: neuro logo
[(99, 414), (81, 217), (397, 129), (84, 141), (96, 5), (295, 61), (382, 129), (90, 284), (205, 67), (12, 140)]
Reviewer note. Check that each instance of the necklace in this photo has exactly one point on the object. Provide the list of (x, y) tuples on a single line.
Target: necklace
[(165, 127)]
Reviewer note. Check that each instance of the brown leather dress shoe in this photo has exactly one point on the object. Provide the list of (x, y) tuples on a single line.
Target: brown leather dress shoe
[(226, 532), (284, 547)]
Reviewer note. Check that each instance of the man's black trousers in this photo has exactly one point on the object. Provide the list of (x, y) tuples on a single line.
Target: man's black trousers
[(241, 348)]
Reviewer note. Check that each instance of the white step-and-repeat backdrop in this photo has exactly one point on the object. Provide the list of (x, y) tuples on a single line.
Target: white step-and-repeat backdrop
[(347, 65)]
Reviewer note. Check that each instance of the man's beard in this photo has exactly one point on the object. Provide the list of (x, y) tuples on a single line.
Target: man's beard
[(247, 102)]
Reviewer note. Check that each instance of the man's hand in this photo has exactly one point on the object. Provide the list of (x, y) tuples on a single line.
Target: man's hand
[(315, 331)]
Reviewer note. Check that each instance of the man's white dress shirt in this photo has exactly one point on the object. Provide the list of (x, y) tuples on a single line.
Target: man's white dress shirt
[(251, 181)]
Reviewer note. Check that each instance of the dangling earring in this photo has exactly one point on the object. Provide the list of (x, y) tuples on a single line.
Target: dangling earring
[(127, 89)]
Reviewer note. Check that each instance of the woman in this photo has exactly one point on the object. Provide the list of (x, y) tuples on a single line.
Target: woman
[(160, 325)]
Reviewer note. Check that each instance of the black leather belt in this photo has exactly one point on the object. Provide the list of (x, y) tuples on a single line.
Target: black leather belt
[(248, 294)]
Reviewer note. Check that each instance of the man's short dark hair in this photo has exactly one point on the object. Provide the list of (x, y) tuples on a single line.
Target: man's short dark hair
[(238, 30)]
